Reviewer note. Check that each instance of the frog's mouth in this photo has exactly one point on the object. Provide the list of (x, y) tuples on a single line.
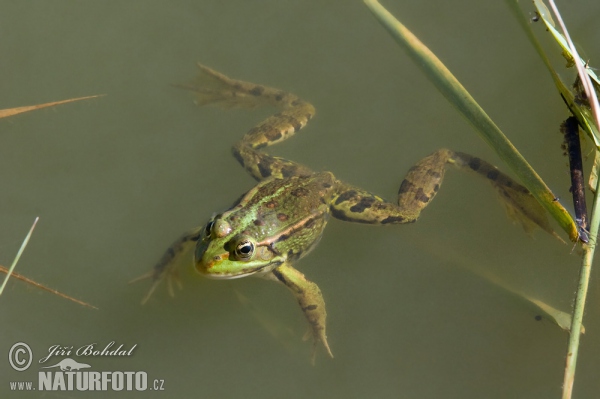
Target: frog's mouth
[(226, 276), (220, 267)]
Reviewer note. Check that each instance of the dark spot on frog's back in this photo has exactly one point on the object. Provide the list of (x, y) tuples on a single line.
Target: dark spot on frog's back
[(289, 171), (259, 222), (271, 204), (282, 217), (300, 192)]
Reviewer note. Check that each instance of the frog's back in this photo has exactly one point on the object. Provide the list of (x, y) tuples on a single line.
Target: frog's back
[(289, 214)]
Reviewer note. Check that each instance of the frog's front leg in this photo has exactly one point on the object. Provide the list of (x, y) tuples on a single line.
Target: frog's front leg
[(166, 266), (309, 298), (422, 183)]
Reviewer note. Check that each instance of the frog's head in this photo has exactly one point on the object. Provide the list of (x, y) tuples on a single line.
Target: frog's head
[(222, 253)]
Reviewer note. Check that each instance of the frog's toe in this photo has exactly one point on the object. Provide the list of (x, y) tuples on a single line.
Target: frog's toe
[(143, 277), (317, 336), (158, 275), (326, 345), (150, 291), (173, 277)]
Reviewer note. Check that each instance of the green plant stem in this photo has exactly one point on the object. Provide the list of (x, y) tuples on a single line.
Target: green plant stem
[(588, 249), (579, 306)]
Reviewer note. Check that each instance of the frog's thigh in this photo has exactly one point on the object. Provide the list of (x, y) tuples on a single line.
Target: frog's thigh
[(420, 185), (309, 298)]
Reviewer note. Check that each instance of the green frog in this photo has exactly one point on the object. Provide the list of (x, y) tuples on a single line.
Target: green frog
[(281, 219)]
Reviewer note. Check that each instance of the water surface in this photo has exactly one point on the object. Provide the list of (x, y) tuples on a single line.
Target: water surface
[(114, 180)]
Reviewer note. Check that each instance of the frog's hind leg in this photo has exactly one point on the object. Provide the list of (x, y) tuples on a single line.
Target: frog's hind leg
[(422, 183), (261, 165), (213, 87)]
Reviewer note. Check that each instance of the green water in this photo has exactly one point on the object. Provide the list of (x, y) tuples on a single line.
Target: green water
[(114, 180)]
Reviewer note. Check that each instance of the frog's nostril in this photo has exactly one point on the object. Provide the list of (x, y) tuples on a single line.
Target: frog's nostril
[(206, 264)]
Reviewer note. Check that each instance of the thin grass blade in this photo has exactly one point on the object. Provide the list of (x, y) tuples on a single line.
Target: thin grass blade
[(19, 253), (4, 113), (45, 288)]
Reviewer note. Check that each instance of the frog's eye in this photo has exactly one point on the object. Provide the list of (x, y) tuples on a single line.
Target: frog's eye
[(208, 228), (244, 249)]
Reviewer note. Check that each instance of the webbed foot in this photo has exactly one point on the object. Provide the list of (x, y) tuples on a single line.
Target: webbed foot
[(167, 266)]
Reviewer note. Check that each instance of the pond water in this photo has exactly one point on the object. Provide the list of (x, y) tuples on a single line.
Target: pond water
[(116, 179)]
